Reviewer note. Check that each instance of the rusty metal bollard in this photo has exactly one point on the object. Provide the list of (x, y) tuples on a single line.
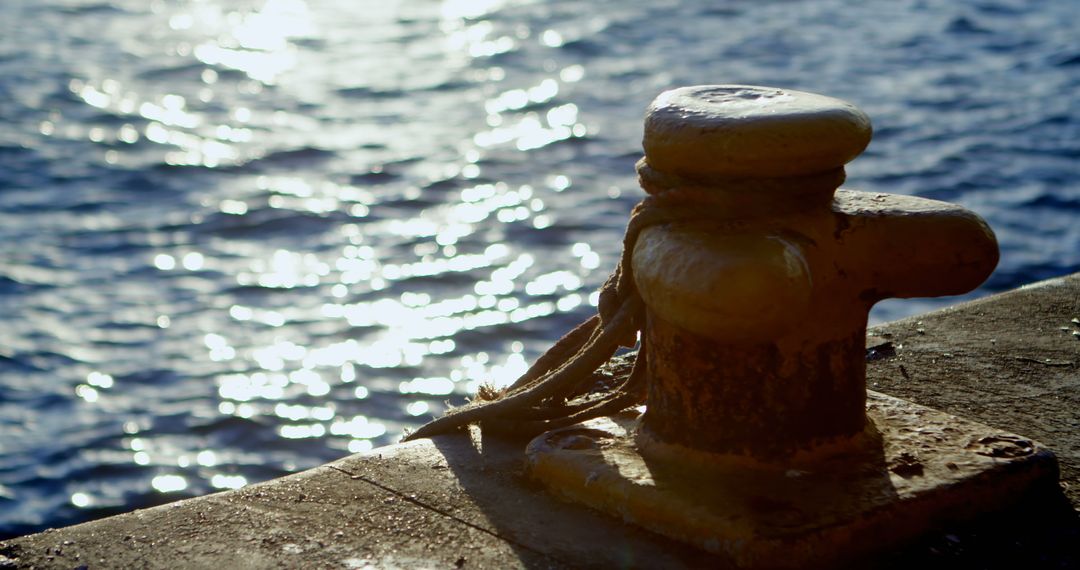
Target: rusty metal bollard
[(757, 321), (758, 440)]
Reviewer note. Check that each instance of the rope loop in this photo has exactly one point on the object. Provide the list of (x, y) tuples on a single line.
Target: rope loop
[(562, 387)]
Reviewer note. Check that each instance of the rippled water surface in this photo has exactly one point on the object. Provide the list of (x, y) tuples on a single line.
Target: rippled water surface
[(241, 238)]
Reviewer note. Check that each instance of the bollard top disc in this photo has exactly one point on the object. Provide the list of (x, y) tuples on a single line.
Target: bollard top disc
[(745, 131)]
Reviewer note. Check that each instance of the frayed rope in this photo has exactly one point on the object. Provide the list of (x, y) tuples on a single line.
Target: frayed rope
[(561, 388)]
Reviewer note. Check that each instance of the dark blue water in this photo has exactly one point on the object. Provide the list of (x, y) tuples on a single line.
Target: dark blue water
[(242, 238)]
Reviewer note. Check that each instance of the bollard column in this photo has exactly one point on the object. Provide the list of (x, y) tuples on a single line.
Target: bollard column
[(759, 439), (757, 311)]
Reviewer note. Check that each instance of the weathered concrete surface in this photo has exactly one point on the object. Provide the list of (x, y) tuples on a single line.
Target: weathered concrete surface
[(1010, 361), (458, 502), (454, 502), (912, 468)]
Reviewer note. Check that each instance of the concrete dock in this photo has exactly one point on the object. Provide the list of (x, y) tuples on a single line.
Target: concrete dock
[(1011, 361)]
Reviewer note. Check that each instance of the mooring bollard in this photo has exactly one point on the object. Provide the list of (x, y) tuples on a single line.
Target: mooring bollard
[(757, 319), (758, 439)]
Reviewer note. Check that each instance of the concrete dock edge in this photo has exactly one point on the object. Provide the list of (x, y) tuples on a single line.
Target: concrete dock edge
[(1011, 361)]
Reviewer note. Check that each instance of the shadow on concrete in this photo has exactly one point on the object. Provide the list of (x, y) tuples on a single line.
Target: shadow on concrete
[(544, 531), (480, 468), (1042, 530)]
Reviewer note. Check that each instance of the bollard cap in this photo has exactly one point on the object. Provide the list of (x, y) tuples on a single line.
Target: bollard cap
[(744, 131)]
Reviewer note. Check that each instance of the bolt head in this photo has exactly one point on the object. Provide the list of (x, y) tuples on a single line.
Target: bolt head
[(745, 131)]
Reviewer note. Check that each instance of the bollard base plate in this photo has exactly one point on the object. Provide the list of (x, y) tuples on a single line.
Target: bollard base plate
[(928, 468)]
